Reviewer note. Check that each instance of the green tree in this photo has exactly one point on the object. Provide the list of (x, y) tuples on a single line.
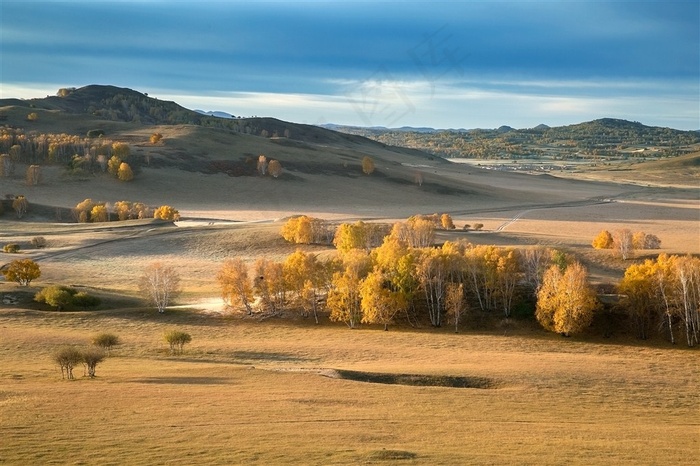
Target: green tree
[(177, 340), (60, 297)]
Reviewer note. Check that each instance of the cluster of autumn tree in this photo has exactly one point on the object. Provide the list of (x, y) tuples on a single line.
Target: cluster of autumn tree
[(417, 231), (624, 242), (95, 212), (664, 293), (382, 272), (80, 155)]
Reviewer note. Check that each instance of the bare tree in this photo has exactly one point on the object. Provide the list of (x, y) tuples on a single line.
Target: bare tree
[(160, 284), (623, 243)]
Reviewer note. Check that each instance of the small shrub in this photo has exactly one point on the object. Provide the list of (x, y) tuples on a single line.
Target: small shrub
[(91, 357), (95, 133), (478, 226), (67, 358), (85, 301), (39, 242), (177, 340), (106, 341), (12, 248)]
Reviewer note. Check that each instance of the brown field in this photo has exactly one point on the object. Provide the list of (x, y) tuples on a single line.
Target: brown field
[(248, 392), (267, 392)]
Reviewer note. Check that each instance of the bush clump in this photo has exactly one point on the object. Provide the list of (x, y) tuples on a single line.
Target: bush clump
[(106, 341), (63, 297), (11, 248), (177, 340)]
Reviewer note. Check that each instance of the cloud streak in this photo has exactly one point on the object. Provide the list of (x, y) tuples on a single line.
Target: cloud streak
[(357, 62)]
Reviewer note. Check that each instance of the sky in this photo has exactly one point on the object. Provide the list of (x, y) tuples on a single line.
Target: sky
[(442, 64)]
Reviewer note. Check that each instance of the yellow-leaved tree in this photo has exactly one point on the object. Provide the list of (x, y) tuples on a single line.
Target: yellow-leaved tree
[(235, 284), (124, 173), (344, 300), (565, 301), (165, 212), (367, 165), (604, 240), (379, 303)]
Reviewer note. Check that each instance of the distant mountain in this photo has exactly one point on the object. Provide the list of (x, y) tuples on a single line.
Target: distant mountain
[(216, 114), (608, 137)]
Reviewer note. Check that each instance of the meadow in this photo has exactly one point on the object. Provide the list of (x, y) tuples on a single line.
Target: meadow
[(251, 392)]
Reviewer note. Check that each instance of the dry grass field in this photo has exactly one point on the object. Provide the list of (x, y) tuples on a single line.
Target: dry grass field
[(278, 391), (249, 392)]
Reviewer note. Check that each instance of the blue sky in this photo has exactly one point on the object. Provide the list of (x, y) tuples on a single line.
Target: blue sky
[(450, 64)]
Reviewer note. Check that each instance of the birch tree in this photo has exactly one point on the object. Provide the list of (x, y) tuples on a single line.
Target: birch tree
[(160, 284)]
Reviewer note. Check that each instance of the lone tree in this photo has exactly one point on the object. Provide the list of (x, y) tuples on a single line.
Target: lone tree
[(21, 205), (106, 341), (160, 284), (177, 340), (67, 358), (367, 165), (22, 271)]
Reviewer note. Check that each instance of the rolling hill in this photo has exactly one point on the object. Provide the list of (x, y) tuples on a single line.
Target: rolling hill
[(208, 165)]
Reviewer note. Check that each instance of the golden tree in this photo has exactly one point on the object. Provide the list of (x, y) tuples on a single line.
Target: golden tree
[(165, 212), (121, 150), (565, 301), (379, 304), (99, 213), (113, 165), (125, 173), (22, 271), (20, 204), (155, 138), (367, 165), (274, 168), (235, 284), (455, 303), (604, 240), (446, 222), (270, 285), (344, 300)]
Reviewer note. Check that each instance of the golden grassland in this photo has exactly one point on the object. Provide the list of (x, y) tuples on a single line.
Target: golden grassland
[(250, 392)]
